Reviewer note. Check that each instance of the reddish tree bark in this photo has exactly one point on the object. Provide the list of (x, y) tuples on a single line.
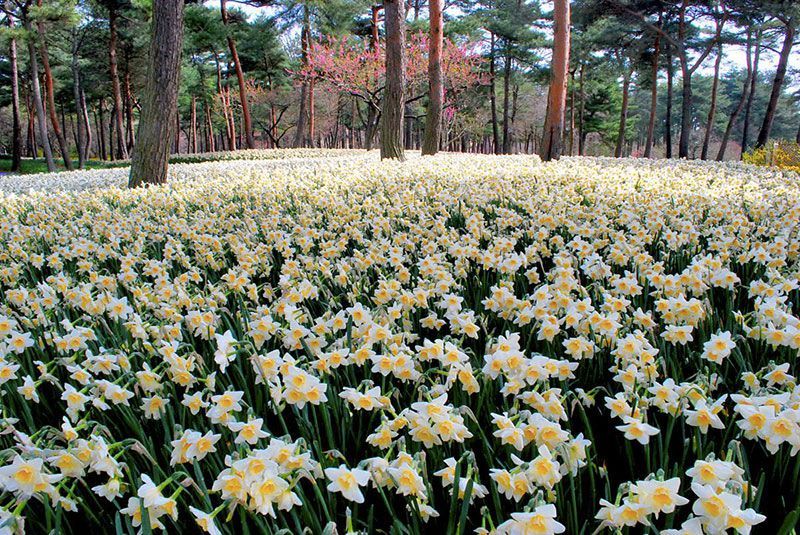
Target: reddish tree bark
[(237, 65), (552, 140), (374, 27), (433, 122)]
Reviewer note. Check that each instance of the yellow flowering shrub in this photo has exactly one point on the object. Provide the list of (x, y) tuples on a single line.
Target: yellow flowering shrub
[(783, 155)]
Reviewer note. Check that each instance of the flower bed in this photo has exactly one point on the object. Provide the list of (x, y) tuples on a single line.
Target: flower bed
[(459, 343)]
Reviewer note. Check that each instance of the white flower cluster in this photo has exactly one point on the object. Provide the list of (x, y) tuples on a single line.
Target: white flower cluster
[(325, 337)]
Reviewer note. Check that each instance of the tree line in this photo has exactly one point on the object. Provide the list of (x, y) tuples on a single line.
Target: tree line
[(143, 79)]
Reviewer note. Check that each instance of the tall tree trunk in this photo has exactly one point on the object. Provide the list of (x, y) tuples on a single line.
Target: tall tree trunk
[(128, 101), (687, 71), (87, 144), (63, 119), (177, 133), (16, 117), (751, 96), (160, 99), (31, 148), (712, 110), (571, 115), (193, 139), (202, 136), (41, 119), (334, 144), (76, 93), (623, 114), (224, 95), (651, 123), (552, 142), (116, 90), (73, 123), (209, 127), (408, 123), (777, 84), (311, 117), (513, 118), (112, 132), (98, 125), (273, 127), (393, 99), (371, 125), (433, 122), (229, 119), (300, 135), (686, 107), (670, 96), (686, 85), (374, 10), (352, 132), (581, 111), (102, 132), (49, 94), (493, 97), (506, 103), (237, 65), (745, 92), (302, 118)]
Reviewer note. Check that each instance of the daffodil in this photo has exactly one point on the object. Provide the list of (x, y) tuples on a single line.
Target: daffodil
[(347, 481)]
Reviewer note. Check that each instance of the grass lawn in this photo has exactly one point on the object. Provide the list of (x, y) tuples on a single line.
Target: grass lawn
[(30, 166)]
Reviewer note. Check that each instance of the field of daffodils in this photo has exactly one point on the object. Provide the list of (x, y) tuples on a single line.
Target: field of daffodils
[(324, 343)]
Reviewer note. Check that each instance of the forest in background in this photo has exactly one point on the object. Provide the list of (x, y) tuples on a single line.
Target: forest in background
[(310, 73)]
